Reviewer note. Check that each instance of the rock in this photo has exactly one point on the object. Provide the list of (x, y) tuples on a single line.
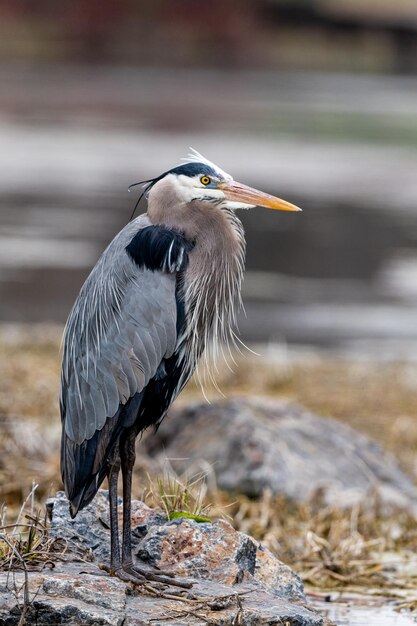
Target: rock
[(217, 552), (235, 580), (109, 593), (212, 603), (210, 551), (257, 443)]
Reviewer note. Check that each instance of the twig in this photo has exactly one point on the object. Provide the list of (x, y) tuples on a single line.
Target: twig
[(19, 557), (22, 508)]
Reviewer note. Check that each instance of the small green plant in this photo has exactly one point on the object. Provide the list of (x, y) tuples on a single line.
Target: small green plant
[(183, 514), (181, 498)]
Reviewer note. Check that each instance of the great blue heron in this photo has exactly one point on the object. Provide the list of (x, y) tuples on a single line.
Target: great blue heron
[(167, 285)]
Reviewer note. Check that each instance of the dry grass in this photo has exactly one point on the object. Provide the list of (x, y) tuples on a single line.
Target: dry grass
[(26, 545), (179, 497), (330, 547), (25, 542)]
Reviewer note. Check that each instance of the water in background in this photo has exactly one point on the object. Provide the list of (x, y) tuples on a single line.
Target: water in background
[(342, 273), (358, 613)]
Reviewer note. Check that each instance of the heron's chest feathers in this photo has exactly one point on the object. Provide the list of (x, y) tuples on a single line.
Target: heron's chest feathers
[(212, 284)]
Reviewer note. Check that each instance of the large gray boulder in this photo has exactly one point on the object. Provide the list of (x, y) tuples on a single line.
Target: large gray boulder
[(255, 443), (235, 580)]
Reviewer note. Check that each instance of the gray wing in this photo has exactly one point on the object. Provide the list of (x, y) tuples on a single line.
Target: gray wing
[(122, 326)]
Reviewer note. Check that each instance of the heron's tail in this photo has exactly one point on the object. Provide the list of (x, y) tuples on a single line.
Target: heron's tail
[(86, 494), (84, 466)]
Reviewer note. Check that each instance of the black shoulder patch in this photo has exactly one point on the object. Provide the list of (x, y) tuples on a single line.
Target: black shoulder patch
[(159, 248)]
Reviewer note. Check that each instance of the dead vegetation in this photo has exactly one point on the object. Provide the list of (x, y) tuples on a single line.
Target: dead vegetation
[(331, 548), (356, 548), (25, 543), (179, 498), (335, 548)]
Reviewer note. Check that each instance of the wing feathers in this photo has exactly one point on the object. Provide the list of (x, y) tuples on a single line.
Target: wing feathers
[(122, 326)]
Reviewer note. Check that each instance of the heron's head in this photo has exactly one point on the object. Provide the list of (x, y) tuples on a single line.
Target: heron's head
[(198, 179)]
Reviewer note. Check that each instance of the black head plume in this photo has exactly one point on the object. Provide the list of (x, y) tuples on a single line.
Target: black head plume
[(187, 169), (148, 185)]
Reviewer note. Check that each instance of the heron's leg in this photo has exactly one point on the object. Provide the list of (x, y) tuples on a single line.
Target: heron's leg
[(128, 570), (128, 456), (113, 476)]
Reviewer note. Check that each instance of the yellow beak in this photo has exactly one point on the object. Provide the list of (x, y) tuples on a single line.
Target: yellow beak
[(242, 193)]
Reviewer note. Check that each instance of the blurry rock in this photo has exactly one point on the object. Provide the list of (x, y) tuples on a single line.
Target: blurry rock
[(257, 443), (235, 581)]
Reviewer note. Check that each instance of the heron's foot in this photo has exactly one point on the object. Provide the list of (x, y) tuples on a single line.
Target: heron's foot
[(146, 572), (140, 576), (158, 576)]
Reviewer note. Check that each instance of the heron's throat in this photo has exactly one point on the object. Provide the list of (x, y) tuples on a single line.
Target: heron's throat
[(212, 286)]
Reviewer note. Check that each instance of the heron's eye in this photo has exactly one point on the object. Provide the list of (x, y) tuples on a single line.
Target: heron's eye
[(205, 180)]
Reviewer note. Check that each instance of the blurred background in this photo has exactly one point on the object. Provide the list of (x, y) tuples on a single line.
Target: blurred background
[(312, 100)]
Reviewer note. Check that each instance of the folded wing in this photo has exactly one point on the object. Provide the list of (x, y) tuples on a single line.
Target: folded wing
[(122, 327)]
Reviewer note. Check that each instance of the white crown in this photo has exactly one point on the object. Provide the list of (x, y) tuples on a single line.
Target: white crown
[(195, 157)]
